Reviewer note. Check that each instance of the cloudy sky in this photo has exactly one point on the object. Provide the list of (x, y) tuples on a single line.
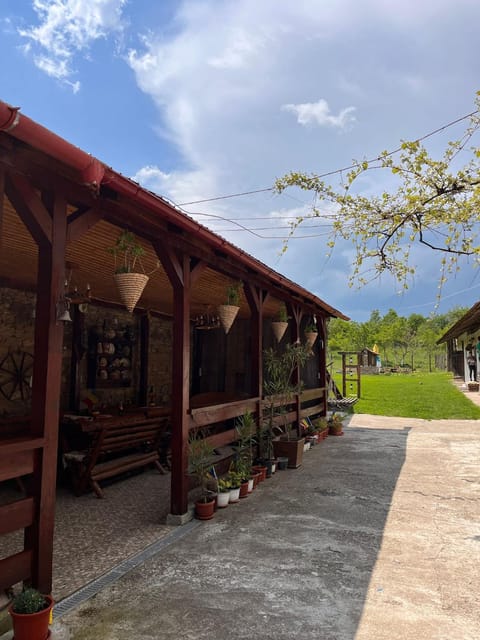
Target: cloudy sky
[(206, 98)]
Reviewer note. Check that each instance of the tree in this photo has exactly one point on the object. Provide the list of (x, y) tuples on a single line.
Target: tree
[(434, 204)]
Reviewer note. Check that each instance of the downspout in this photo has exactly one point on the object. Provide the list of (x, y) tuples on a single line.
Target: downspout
[(23, 128)]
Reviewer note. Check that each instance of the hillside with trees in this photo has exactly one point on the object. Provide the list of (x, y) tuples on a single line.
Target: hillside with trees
[(402, 341)]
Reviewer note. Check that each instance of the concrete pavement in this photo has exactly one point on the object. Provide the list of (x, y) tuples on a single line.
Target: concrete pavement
[(376, 536)]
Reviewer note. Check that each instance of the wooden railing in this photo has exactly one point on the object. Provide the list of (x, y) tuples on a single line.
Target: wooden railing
[(17, 458)]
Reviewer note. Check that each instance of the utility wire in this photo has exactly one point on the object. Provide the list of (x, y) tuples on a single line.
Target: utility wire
[(335, 171)]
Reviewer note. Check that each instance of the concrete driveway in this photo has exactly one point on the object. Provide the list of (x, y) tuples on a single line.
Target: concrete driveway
[(376, 536)]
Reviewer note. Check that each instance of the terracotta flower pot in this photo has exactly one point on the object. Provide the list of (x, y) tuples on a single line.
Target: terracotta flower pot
[(32, 626), (244, 489), (279, 329), (204, 510)]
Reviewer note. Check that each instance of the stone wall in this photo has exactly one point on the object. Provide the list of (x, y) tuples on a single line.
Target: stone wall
[(17, 336)]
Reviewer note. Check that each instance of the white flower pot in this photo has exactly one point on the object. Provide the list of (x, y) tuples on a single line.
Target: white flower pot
[(223, 499), (234, 495)]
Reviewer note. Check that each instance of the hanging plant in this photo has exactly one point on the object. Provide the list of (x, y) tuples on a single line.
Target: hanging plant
[(129, 276), (311, 333), (280, 322), (228, 311)]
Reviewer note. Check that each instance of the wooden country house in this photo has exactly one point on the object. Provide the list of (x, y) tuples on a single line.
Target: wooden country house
[(60, 211), (461, 340)]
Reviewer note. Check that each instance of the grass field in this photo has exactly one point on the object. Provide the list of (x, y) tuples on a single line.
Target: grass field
[(432, 396)]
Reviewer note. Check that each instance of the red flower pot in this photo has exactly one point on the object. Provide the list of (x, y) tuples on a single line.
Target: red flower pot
[(204, 510), (32, 626)]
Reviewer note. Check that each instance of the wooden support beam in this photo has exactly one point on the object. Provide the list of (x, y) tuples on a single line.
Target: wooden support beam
[(256, 298), (47, 378), (30, 208), (81, 221), (322, 355), (178, 268)]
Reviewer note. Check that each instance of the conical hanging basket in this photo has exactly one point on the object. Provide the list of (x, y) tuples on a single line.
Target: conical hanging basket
[(310, 338), (279, 329), (130, 287), (227, 314)]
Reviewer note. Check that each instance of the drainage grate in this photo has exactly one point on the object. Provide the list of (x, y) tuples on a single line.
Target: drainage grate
[(94, 587)]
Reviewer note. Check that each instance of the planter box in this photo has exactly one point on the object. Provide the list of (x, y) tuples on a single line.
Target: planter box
[(291, 449), (473, 386)]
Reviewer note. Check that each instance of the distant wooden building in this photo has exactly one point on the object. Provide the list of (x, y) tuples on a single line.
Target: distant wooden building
[(461, 340)]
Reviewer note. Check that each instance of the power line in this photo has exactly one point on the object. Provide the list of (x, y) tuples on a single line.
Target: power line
[(336, 171)]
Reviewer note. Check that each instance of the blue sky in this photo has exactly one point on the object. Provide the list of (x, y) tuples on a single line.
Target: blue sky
[(207, 98)]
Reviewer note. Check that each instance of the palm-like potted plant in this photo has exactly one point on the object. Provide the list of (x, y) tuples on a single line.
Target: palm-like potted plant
[(279, 392), (280, 322), (228, 311), (245, 427), (31, 614), (129, 276), (200, 454)]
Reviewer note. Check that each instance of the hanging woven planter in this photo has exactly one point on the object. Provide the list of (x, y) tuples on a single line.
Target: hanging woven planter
[(279, 329), (310, 337), (130, 287), (227, 314)]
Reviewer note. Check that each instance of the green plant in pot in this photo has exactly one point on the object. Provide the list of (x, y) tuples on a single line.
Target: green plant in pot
[(223, 492), (200, 454), (279, 389), (311, 333), (228, 311), (130, 277), (280, 322), (335, 424), (245, 427), (31, 614)]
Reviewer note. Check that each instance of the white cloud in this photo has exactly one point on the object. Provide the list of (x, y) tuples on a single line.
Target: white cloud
[(319, 113), (67, 27), (240, 49)]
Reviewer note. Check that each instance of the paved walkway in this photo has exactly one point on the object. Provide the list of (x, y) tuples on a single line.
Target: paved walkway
[(376, 536)]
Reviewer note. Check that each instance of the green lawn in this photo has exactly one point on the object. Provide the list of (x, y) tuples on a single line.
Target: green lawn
[(432, 396)]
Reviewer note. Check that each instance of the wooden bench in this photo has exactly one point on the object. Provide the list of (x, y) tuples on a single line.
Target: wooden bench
[(116, 445)]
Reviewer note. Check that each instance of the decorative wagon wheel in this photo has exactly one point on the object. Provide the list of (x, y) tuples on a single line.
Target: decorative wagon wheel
[(15, 376)]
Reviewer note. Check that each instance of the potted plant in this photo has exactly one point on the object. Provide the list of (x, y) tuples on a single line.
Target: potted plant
[(279, 392), (321, 425), (129, 276), (227, 312), (200, 454), (245, 427), (335, 425), (280, 322), (235, 479), (31, 614), (311, 333), (223, 492)]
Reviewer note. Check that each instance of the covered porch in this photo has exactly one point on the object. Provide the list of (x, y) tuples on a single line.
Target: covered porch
[(61, 210)]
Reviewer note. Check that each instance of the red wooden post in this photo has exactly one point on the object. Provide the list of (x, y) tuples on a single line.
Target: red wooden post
[(177, 266), (47, 375), (322, 357), (297, 315)]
